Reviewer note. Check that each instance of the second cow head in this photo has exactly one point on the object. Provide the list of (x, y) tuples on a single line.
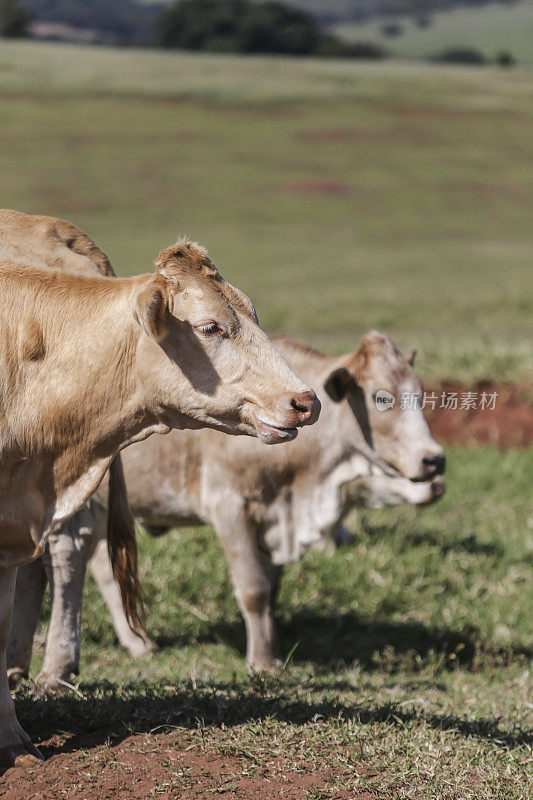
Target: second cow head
[(384, 393)]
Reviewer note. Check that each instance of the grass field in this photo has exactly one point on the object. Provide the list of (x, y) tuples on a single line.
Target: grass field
[(491, 29), (339, 196), (410, 673)]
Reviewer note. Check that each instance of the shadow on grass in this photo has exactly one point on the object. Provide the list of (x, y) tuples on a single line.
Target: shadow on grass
[(380, 644), (332, 641), (469, 544), (431, 538), (108, 714)]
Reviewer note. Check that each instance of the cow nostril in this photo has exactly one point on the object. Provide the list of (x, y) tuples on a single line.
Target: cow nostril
[(302, 407), (437, 464), (306, 405)]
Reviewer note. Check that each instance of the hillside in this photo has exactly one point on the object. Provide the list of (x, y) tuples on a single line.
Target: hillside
[(126, 21), (131, 21), (490, 29), (360, 10)]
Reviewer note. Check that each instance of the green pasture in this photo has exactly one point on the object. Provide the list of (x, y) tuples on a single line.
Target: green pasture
[(341, 196), (410, 649), (491, 29)]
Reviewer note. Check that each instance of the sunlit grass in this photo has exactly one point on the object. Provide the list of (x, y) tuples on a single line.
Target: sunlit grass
[(410, 648)]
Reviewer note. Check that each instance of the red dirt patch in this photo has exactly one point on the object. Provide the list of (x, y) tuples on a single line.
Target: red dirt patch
[(509, 424), (347, 135), (166, 766), (331, 188)]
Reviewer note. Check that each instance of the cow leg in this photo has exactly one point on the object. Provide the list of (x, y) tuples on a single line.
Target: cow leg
[(29, 591), (16, 748), (275, 580), (252, 580), (65, 560), (139, 646)]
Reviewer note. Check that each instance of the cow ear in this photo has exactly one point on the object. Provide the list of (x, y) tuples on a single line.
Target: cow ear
[(151, 311), (336, 384), (411, 355)]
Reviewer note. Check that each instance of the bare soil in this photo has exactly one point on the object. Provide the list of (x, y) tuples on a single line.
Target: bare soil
[(509, 424), (168, 766)]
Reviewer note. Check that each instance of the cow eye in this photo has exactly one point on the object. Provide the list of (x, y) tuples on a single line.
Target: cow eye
[(207, 328)]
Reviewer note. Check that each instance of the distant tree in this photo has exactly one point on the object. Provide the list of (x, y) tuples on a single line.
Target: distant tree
[(203, 24), (273, 27), (460, 55), (365, 50), (237, 26), (14, 19), (335, 48), (505, 59)]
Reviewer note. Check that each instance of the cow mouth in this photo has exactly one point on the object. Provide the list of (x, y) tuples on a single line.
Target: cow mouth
[(273, 433), (436, 487), (430, 477)]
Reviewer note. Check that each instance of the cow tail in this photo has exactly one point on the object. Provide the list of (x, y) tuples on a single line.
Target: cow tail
[(122, 545)]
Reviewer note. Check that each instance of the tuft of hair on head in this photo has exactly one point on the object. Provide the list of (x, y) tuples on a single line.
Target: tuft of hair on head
[(185, 254), (374, 338), (376, 342)]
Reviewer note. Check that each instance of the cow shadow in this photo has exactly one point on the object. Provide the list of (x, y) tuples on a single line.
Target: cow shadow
[(108, 715), (419, 538), (468, 544), (337, 640)]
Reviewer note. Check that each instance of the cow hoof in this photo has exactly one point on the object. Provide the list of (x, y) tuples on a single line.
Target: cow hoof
[(45, 682), (28, 760), (142, 648), (15, 676), (24, 755), (265, 665)]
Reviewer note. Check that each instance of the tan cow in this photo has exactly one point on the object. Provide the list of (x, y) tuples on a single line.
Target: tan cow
[(52, 243), (38, 241), (268, 508), (91, 365)]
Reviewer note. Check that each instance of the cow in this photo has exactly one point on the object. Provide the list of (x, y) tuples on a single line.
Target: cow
[(89, 366), (52, 243), (267, 507), (36, 240)]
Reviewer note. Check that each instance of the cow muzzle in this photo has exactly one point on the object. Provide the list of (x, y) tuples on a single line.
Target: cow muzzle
[(434, 465), (292, 411), (306, 407)]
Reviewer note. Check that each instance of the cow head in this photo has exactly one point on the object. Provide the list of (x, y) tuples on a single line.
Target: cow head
[(203, 356), (377, 382)]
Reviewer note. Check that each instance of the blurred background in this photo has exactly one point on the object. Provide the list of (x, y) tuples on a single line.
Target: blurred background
[(350, 164), (341, 192)]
